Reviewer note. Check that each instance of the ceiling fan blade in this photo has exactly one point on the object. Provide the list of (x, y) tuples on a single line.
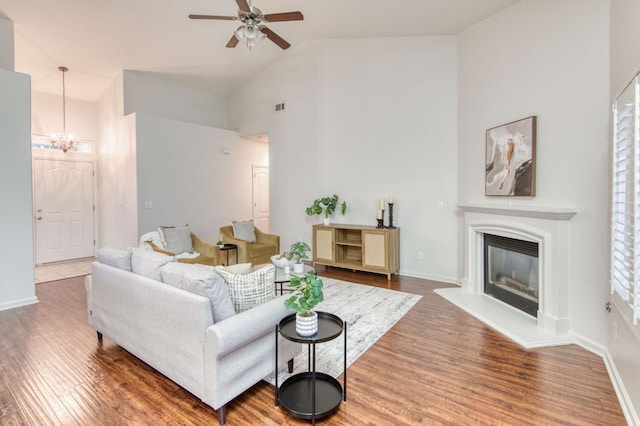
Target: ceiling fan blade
[(285, 16), (275, 38), (243, 5), (221, 18), (233, 42)]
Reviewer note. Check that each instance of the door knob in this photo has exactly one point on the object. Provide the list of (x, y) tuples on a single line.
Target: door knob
[(39, 217)]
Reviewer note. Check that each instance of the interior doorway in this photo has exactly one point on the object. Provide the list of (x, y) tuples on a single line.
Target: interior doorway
[(63, 210), (261, 210)]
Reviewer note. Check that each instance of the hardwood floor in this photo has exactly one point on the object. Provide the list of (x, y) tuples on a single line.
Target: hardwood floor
[(437, 365)]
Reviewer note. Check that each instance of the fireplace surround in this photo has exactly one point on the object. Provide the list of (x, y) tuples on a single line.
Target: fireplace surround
[(549, 229)]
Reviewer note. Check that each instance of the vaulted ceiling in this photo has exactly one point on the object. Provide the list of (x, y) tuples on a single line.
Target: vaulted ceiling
[(97, 39)]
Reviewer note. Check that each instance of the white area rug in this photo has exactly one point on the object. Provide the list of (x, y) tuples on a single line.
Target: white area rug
[(369, 313)]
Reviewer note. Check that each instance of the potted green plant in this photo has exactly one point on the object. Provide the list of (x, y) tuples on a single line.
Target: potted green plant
[(326, 206), (297, 252), (306, 295)]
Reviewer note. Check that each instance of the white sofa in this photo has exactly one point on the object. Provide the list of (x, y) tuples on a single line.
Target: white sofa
[(173, 330)]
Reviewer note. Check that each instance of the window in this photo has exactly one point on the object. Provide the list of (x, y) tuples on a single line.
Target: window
[(44, 142), (625, 199)]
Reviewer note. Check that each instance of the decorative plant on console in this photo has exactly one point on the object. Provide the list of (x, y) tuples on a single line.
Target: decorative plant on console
[(326, 206), (306, 295), (297, 252)]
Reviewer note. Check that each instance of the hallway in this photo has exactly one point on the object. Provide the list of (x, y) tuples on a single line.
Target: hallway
[(61, 270)]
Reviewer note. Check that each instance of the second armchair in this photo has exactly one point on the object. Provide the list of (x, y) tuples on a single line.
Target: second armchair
[(266, 245)]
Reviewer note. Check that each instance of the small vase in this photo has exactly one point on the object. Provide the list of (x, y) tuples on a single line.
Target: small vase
[(327, 221), (298, 268), (307, 325)]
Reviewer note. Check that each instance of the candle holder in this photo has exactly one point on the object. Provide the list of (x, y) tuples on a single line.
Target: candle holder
[(381, 220), (391, 216)]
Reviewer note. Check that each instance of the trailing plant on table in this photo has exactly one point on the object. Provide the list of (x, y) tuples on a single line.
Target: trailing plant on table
[(306, 295)]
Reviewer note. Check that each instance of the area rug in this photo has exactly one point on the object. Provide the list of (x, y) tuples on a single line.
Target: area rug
[(369, 313)]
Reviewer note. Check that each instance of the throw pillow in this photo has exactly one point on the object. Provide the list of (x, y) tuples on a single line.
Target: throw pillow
[(148, 263), (153, 236), (244, 230), (249, 290), (203, 281), (119, 258), (177, 239), (154, 247)]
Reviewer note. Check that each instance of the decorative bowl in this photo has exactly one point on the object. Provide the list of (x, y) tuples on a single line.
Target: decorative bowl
[(280, 262)]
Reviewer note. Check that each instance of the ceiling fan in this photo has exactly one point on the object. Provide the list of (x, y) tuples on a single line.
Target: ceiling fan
[(253, 28)]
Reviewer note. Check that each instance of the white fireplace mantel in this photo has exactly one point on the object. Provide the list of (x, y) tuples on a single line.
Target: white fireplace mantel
[(547, 226), (550, 213)]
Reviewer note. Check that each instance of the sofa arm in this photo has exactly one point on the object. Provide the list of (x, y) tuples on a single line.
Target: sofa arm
[(239, 330), (263, 237)]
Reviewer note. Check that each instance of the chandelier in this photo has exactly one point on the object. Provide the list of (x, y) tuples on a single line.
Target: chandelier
[(64, 140)]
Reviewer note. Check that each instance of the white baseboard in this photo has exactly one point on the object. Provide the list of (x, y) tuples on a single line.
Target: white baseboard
[(618, 385), (17, 303)]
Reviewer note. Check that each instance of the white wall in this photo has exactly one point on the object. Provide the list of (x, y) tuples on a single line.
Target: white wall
[(364, 118), (547, 58), (183, 172), (175, 164), (152, 96), (117, 186), (623, 337), (46, 116), (7, 61), (17, 281)]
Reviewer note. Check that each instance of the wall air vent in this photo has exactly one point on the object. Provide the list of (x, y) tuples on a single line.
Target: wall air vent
[(279, 107)]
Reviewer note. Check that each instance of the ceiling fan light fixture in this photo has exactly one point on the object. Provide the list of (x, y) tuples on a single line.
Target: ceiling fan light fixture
[(250, 34)]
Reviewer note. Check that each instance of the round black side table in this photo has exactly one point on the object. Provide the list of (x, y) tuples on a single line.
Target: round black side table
[(225, 248), (312, 395)]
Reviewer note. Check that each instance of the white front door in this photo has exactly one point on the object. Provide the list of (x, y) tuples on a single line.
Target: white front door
[(63, 210), (261, 198)]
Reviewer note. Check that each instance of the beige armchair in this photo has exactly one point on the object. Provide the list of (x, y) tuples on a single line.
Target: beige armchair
[(209, 253), (266, 245)]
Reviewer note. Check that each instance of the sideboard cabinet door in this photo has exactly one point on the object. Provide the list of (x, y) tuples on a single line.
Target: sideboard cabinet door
[(323, 244)]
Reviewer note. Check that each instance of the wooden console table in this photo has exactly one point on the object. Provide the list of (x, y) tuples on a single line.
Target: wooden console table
[(357, 247)]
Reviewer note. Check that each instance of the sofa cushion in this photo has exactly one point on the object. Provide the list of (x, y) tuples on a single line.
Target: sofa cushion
[(177, 239), (239, 268), (203, 281), (250, 289), (148, 262), (118, 258), (244, 230)]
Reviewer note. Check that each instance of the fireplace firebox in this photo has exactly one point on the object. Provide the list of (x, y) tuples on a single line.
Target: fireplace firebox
[(511, 272)]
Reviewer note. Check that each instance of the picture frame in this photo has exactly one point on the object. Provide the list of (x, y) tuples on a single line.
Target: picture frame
[(510, 159)]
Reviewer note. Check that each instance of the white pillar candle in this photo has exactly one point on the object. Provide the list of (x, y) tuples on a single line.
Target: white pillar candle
[(379, 214), (390, 200), (381, 205)]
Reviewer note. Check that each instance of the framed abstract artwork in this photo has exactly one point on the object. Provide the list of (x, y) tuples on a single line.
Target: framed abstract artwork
[(511, 159)]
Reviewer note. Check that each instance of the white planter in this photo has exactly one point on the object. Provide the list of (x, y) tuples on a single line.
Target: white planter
[(298, 268), (327, 220), (307, 326)]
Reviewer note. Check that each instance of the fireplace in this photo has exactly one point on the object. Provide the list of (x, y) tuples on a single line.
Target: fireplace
[(547, 229), (511, 272)]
